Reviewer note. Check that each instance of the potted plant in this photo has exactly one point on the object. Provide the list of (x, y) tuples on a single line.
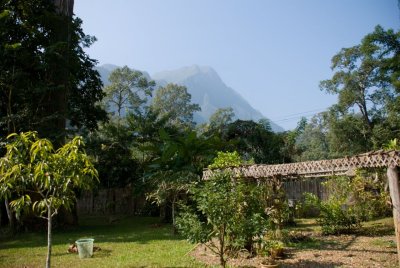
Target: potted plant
[(276, 249)]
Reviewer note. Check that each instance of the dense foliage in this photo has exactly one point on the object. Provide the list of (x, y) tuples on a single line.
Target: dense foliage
[(351, 202), (366, 116), (46, 78)]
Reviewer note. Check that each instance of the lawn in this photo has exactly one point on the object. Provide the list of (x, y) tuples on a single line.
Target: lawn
[(130, 242), (142, 242)]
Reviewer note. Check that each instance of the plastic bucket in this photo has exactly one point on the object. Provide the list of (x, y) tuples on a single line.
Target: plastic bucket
[(85, 247)]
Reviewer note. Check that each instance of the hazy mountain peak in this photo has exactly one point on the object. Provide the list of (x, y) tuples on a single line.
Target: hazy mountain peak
[(109, 67), (184, 73)]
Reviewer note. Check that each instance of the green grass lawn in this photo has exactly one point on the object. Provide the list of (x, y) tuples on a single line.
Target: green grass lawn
[(141, 242), (131, 242)]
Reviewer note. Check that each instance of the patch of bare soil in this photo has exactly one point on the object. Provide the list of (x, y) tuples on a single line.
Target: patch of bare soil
[(324, 252)]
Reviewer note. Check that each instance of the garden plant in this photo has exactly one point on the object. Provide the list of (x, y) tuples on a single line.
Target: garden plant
[(36, 177)]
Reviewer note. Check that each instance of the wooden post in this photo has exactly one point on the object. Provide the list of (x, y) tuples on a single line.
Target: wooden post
[(393, 179)]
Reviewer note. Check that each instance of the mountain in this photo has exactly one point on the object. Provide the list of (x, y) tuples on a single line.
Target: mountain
[(207, 90)]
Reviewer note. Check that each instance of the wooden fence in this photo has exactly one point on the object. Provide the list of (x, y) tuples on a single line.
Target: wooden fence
[(110, 201), (122, 201), (295, 189)]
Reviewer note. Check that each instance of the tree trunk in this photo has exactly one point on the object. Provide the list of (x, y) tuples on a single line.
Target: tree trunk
[(393, 179), (175, 231), (222, 259), (65, 7), (10, 216), (49, 243), (57, 100)]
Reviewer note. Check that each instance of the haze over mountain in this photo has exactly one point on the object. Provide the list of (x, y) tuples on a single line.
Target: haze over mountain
[(207, 90)]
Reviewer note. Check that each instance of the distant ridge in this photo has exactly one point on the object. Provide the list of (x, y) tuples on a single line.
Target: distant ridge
[(207, 89)]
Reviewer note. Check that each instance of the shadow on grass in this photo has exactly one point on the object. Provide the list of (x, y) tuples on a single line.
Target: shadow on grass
[(53, 254), (103, 253), (131, 229), (340, 245), (377, 229), (314, 264)]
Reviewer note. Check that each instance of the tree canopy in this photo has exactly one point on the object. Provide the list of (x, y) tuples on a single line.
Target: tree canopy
[(175, 102), (366, 115), (128, 90), (46, 78)]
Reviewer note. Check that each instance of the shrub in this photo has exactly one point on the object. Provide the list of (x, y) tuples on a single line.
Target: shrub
[(226, 159), (276, 205), (350, 202), (369, 195), (334, 218), (228, 218)]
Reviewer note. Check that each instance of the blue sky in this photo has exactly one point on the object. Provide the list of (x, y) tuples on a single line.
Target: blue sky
[(274, 53)]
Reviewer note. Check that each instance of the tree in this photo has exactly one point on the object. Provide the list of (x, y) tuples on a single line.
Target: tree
[(110, 146), (290, 151), (312, 142), (46, 78), (179, 161), (221, 118), (385, 47), (175, 102), (228, 214), (43, 179), (128, 90), (254, 141), (347, 134), (364, 80)]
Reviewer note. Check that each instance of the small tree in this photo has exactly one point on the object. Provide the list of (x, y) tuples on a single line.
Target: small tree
[(170, 186), (229, 212), (44, 179)]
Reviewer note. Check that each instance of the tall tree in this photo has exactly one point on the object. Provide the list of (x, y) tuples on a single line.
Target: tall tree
[(289, 150), (312, 141), (384, 45), (45, 76), (65, 7), (364, 82), (221, 118), (175, 102), (128, 90), (254, 141)]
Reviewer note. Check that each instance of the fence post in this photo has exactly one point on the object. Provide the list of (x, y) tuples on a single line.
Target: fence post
[(393, 180)]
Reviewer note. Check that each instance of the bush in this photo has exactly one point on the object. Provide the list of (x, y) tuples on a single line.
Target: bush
[(229, 215), (335, 217), (369, 195), (350, 202), (276, 205)]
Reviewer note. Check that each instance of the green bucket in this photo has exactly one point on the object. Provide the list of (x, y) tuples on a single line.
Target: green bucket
[(85, 247)]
